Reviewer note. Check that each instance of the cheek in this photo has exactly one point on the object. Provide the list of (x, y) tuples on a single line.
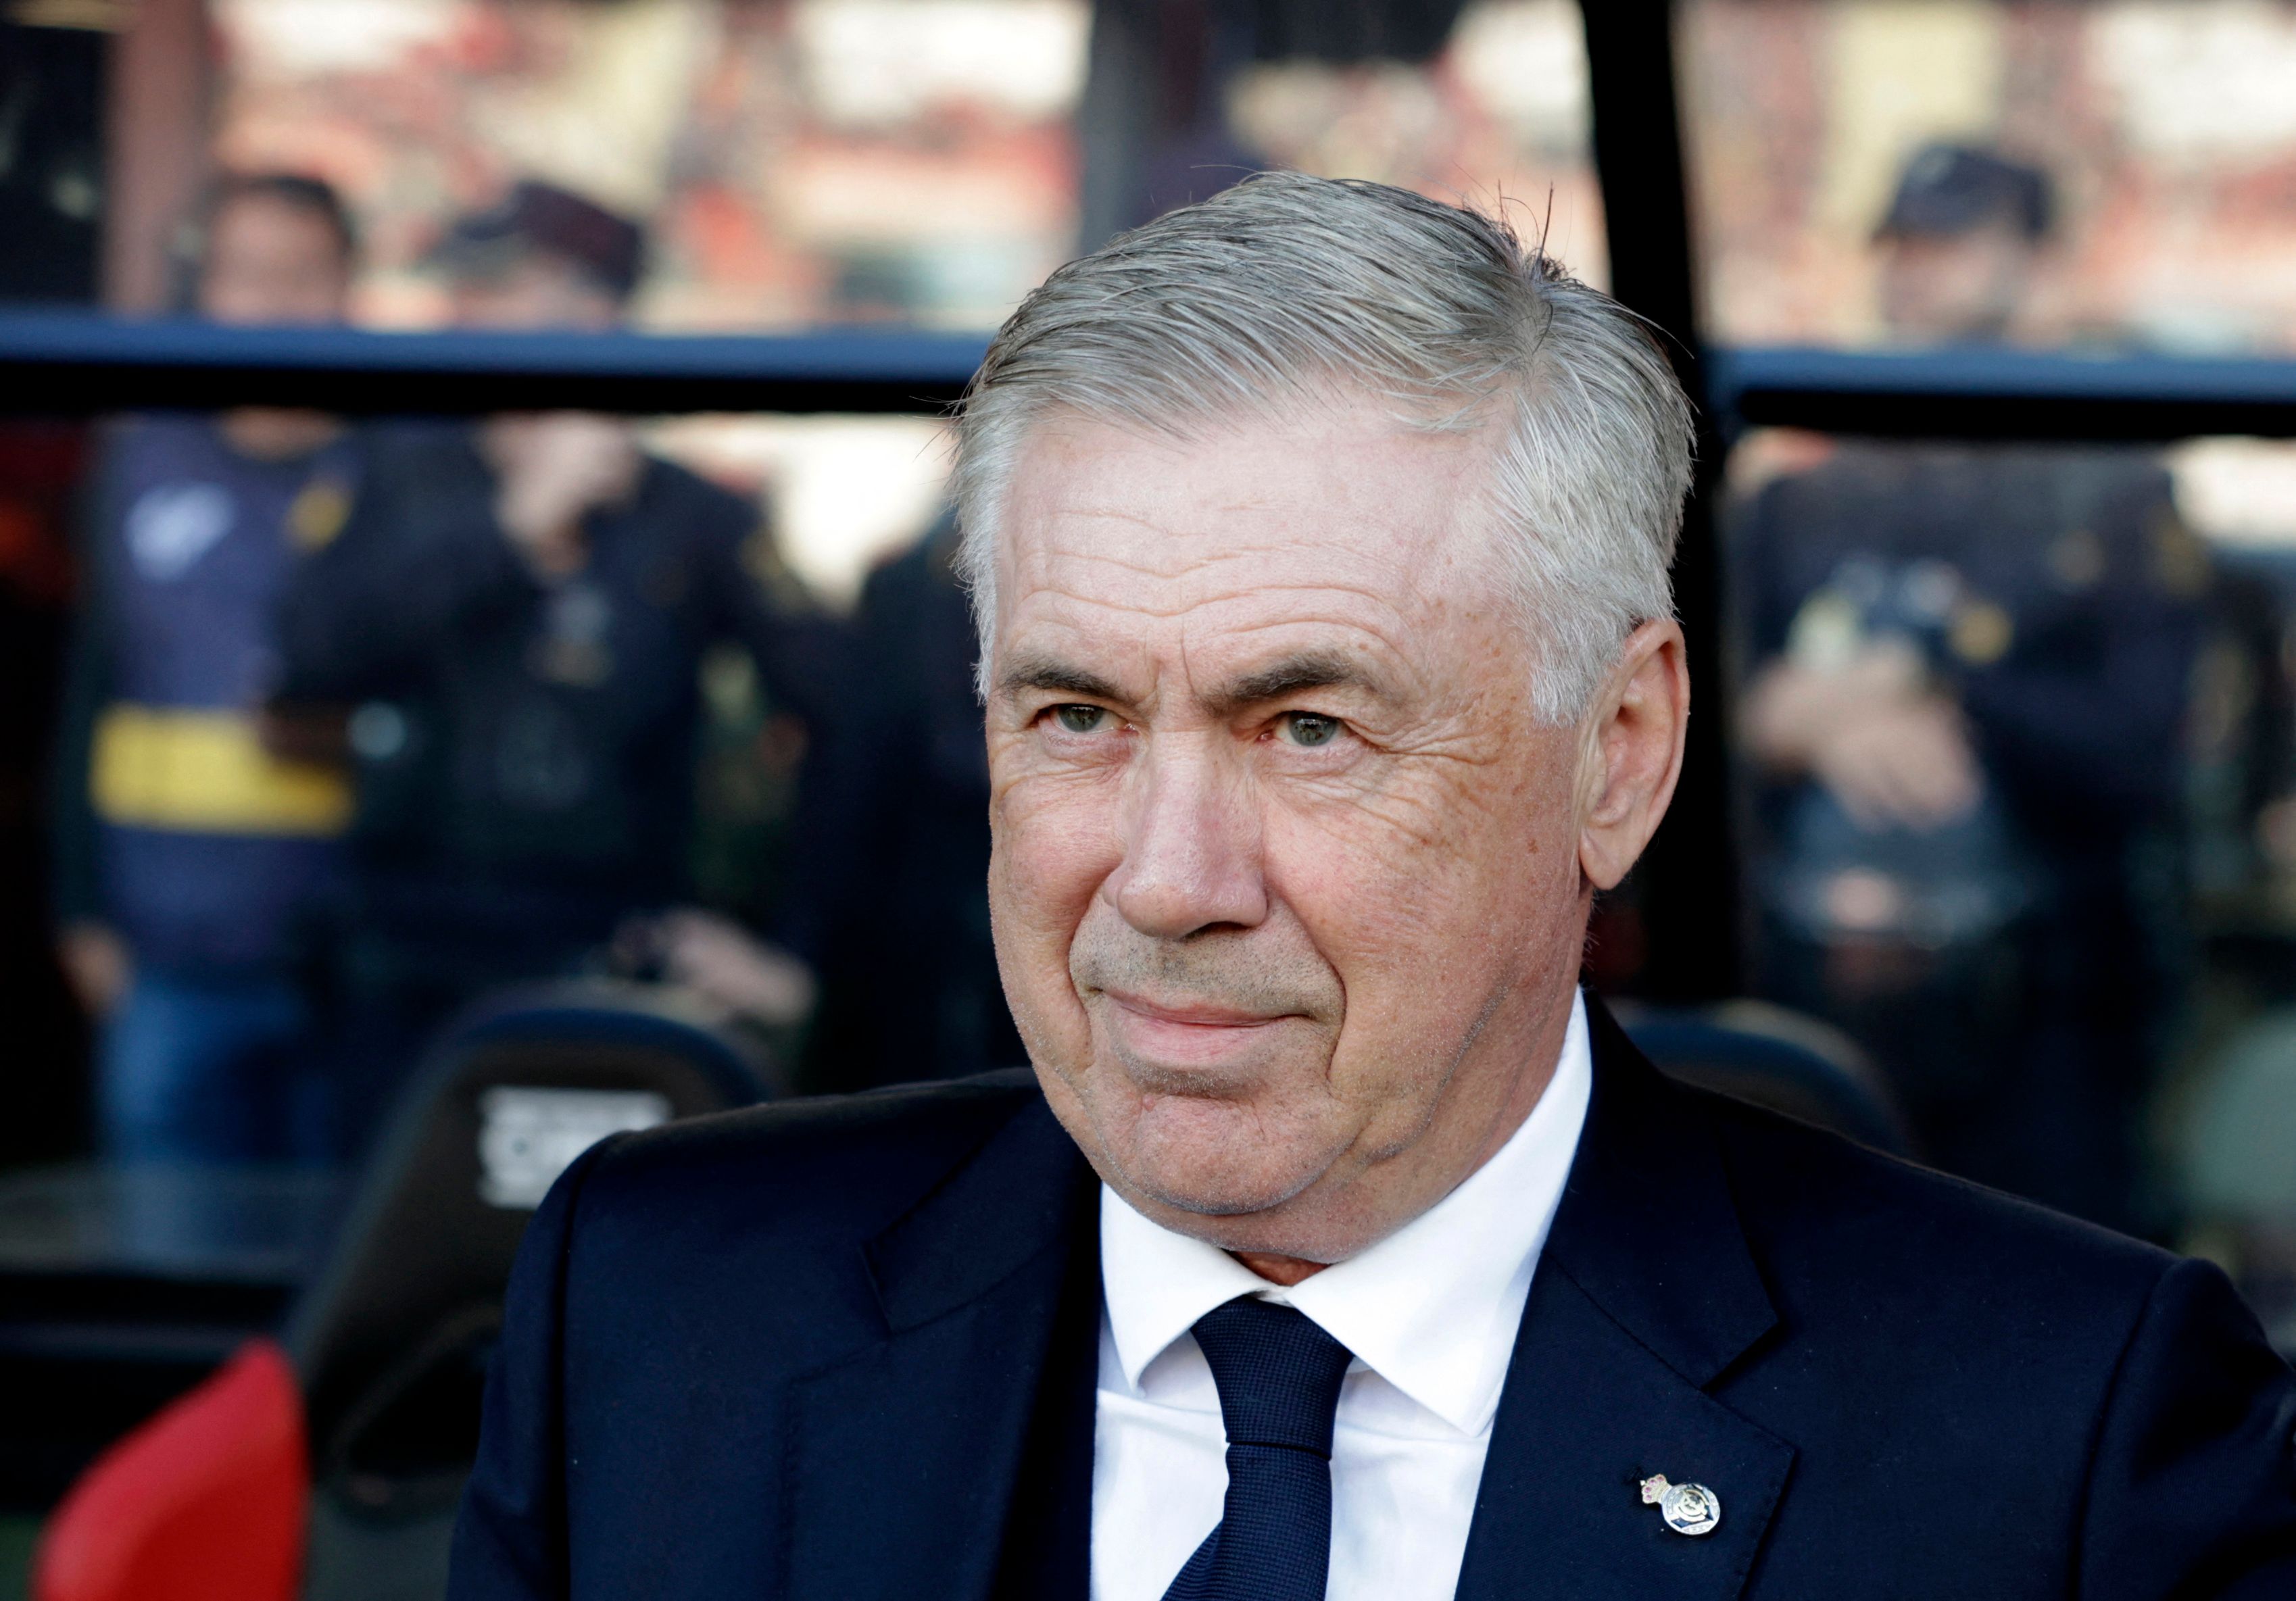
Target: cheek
[(1053, 841), (1425, 924), (1054, 844)]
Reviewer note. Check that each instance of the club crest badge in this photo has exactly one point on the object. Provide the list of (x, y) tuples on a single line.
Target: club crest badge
[(1687, 1508)]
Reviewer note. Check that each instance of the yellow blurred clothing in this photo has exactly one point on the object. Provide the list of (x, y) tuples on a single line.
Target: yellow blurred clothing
[(208, 772)]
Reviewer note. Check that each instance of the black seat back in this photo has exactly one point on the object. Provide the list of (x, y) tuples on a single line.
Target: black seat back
[(391, 1341), (1773, 1058)]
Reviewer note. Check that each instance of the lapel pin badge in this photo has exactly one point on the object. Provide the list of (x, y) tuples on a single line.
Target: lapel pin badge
[(1690, 1509)]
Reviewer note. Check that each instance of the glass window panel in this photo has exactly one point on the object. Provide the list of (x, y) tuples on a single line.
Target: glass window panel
[(795, 162), (2163, 130)]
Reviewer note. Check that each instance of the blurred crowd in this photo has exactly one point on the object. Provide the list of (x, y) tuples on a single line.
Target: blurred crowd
[(367, 720)]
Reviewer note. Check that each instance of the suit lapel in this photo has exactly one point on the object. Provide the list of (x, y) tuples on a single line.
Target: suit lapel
[(902, 1459), (1645, 1293)]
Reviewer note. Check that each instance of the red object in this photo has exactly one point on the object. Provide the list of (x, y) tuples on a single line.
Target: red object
[(206, 1502)]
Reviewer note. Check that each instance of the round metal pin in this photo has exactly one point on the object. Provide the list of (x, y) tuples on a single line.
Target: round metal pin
[(1690, 1509)]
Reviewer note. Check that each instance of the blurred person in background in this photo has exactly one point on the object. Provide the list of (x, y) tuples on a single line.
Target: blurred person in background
[(1960, 246), (1968, 678), (193, 862), (514, 620), (908, 969)]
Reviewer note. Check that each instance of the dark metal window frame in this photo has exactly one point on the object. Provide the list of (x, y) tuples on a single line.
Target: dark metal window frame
[(64, 363)]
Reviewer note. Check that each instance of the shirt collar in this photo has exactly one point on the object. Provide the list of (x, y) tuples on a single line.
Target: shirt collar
[(1432, 1309)]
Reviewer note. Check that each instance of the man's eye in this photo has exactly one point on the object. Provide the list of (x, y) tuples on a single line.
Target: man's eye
[(1307, 729), (1081, 719)]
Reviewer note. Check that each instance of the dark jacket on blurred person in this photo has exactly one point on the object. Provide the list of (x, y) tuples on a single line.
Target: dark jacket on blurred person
[(526, 747), (2052, 597), (2057, 594), (847, 1349), (899, 903)]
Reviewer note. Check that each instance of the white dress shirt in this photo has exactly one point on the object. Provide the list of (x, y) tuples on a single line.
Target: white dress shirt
[(1430, 1313)]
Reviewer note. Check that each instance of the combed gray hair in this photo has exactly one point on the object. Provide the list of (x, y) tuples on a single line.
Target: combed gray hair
[(1286, 287)]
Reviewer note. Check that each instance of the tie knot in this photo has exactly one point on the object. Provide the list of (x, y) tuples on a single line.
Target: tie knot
[(1278, 1374)]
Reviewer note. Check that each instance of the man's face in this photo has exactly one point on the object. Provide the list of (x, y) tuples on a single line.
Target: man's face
[(534, 290), (271, 261), (1286, 891), (1940, 289)]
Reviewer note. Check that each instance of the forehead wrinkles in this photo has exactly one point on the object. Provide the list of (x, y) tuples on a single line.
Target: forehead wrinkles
[(1104, 555), (1358, 527), (1233, 592), (1216, 616), (1165, 563)]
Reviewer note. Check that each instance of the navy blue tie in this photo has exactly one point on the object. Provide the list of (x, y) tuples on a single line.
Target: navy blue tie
[(1279, 1388)]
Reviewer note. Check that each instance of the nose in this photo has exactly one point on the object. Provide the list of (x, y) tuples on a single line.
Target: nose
[(1192, 843)]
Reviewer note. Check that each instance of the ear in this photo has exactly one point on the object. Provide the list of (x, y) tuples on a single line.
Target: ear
[(1632, 752)]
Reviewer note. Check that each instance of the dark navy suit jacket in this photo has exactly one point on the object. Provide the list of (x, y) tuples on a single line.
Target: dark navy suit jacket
[(838, 1350)]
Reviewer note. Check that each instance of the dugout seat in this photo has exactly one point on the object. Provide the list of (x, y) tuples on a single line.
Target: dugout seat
[(1773, 1058), (327, 1464)]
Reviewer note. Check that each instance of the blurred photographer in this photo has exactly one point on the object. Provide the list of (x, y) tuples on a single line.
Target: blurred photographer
[(515, 619), (1969, 672)]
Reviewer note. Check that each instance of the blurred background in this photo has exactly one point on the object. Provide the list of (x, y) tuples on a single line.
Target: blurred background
[(485, 671)]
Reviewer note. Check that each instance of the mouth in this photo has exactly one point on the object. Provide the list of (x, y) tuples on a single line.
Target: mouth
[(1184, 1034), (1194, 1014)]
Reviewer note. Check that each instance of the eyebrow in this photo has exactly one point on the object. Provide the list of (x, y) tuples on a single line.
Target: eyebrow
[(1292, 676), (1043, 673)]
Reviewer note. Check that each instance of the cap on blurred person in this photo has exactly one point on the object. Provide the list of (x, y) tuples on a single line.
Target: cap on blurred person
[(1951, 189), (1959, 242), (270, 248), (543, 256)]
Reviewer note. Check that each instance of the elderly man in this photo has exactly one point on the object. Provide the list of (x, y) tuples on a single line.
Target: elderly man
[(1337, 1246)]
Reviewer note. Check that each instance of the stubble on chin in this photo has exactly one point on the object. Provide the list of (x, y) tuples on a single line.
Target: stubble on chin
[(1200, 1147)]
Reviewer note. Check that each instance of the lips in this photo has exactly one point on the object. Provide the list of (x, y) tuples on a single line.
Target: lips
[(1183, 1035), (1196, 1014)]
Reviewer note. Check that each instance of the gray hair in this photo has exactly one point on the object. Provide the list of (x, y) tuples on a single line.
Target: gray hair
[(1285, 286)]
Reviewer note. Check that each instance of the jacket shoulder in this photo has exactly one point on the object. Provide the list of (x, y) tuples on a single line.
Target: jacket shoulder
[(751, 1228), (816, 1167), (1845, 1229), (2030, 1396)]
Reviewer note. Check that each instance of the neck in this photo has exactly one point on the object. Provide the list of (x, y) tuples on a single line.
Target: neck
[(1285, 1270)]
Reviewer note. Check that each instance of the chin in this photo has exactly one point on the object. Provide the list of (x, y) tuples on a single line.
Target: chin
[(1215, 1159)]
